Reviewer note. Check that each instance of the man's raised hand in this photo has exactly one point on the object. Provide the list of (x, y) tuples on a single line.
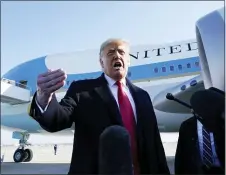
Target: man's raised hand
[(48, 83)]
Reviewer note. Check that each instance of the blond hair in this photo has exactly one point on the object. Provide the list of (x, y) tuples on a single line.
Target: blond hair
[(112, 40)]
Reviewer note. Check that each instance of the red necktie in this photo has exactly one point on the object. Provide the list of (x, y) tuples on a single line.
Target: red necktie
[(128, 119)]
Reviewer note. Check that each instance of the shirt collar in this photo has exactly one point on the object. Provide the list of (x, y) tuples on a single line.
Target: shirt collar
[(199, 124), (111, 81)]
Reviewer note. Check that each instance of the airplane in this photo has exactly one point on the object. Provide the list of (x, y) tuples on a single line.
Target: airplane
[(179, 68)]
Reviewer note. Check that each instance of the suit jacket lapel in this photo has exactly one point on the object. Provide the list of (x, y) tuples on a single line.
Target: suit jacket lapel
[(194, 134), (195, 143), (106, 95)]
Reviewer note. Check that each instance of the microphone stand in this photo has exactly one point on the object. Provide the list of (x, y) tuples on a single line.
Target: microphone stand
[(170, 96)]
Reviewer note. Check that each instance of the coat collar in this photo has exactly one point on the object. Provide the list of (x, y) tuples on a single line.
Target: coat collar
[(104, 92), (112, 82)]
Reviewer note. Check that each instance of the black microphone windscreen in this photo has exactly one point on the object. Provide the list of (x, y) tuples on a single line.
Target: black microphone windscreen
[(217, 90), (169, 96), (207, 103), (115, 151)]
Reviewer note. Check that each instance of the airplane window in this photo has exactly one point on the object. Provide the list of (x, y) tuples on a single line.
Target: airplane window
[(171, 68), (183, 87), (180, 67), (188, 65), (193, 83), (163, 69), (156, 70), (197, 64)]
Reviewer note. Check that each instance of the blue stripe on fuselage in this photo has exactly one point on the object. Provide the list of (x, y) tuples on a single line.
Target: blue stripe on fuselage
[(30, 70), (147, 71)]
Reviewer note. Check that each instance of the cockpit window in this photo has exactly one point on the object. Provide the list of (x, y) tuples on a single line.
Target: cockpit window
[(22, 83)]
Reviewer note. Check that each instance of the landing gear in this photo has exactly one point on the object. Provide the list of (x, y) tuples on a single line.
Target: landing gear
[(21, 154), (18, 155), (28, 155)]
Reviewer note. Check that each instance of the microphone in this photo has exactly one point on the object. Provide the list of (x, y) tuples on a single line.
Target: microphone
[(223, 94), (115, 152), (170, 96), (210, 105), (207, 103)]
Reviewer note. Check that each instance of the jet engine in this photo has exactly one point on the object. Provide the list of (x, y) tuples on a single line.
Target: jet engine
[(210, 38)]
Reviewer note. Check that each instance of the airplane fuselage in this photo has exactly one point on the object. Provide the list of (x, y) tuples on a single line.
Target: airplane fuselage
[(173, 67), (154, 68)]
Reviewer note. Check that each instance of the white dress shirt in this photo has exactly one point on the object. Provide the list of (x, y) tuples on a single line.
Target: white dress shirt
[(200, 137), (114, 90), (42, 111)]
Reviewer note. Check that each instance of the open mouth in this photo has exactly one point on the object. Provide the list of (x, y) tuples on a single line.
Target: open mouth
[(117, 65)]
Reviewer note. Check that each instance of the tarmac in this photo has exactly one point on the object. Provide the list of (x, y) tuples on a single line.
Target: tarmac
[(45, 162)]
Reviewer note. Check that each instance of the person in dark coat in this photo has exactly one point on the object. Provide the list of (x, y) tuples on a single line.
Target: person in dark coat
[(55, 149), (95, 104), (201, 142)]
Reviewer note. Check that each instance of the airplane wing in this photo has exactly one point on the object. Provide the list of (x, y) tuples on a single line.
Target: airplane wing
[(182, 91)]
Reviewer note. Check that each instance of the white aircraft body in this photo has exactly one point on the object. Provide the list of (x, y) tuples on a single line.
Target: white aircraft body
[(178, 68)]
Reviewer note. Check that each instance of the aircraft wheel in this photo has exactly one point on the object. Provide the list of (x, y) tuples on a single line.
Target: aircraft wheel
[(28, 155), (18, 155)]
